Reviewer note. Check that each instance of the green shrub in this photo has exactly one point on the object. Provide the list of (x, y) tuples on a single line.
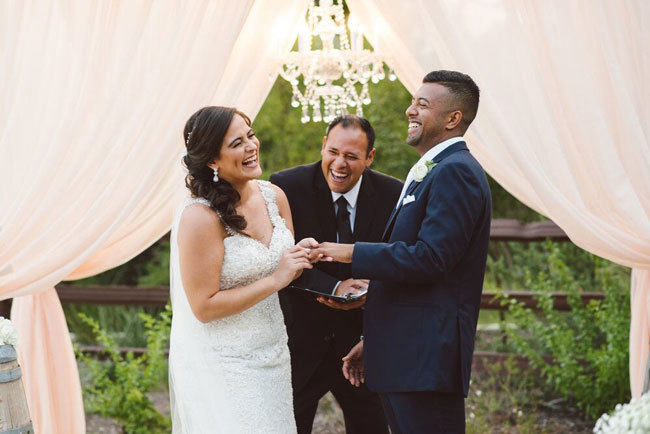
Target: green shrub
[(588, 347), (118, 387), (156, 270), (122, 323)]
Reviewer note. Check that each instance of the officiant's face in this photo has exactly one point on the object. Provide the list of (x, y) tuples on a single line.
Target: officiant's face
[(427, 115), (345, 157), (239, 157)]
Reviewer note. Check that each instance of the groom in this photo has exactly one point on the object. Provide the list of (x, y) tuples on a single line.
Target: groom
[(427, 275)]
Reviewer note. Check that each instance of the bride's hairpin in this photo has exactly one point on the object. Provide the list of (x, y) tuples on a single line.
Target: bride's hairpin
[(188, 138)]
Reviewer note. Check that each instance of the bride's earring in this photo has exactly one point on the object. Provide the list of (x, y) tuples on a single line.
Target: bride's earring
[(216, 174)]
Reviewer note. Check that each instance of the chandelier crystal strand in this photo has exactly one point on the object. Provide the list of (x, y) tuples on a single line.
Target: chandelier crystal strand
[(330, 74)]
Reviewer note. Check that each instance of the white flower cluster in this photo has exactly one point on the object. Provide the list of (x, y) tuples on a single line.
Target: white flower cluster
[(7, 332), (628, 418), (420, 170)]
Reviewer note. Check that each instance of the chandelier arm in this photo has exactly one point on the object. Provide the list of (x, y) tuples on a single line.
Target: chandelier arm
[(342, 59)]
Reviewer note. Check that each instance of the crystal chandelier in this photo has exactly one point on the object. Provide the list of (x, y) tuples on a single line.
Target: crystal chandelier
[(332, 74)]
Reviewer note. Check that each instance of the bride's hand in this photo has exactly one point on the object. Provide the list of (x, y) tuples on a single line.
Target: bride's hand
[(291, 265), (311, 244)]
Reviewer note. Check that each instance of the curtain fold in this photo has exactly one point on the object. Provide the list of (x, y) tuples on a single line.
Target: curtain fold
[(48, 364), (564, 119), (640, 330), (93, 99)]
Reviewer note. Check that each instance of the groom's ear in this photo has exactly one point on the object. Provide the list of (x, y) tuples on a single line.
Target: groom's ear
[(324, 142), (454, 119)]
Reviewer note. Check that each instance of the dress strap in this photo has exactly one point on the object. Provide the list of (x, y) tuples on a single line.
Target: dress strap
[(207, 203), (268, 193), (200, 200)]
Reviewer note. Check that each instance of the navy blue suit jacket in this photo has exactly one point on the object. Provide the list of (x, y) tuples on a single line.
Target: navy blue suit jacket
[(427, 278)]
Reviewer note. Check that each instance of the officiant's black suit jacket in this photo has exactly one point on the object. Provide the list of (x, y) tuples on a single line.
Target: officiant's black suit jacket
[(312, 327)]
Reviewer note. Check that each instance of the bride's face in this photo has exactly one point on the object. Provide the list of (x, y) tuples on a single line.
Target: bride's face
[(239, 158)]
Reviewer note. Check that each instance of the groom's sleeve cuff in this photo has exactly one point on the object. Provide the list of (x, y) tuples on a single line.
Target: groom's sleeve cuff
[(363, 260)]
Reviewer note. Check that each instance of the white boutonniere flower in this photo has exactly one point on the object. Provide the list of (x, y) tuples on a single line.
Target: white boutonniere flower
[(7, 332), (421, 169)]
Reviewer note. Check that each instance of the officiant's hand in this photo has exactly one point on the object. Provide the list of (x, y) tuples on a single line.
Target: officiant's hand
[(348, 286), (353, 365), (336, 252)]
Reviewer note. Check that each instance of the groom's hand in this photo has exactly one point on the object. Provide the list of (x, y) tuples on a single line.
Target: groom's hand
[(309, 243), (336, 252), (353, 365)]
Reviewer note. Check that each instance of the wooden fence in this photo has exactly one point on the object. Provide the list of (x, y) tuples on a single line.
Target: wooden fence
[(501, 230), (158, 296)]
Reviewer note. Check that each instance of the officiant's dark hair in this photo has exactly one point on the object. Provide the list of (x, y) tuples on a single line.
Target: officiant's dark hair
[(204, 133), (463, 89), (348, 121)]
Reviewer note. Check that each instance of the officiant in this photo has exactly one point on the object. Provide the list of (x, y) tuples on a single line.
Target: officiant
[(336, 199)]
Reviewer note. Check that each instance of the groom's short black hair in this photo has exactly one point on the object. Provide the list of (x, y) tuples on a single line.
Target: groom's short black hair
[(463, 89), (348, 121)]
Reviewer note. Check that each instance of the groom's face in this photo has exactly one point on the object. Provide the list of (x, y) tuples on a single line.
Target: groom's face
[(345, 157), (427, 115)]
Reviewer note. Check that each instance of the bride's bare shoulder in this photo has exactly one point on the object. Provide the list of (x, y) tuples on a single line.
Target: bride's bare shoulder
[(200, 221)]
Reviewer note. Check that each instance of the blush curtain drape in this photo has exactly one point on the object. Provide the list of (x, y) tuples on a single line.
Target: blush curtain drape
[(564, 119), (93, 99)]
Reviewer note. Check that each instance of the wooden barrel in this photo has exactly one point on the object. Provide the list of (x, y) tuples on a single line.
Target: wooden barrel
[(14, 414)]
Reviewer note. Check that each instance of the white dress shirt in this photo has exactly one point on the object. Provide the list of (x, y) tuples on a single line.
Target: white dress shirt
[(351, 196), (428, 156)]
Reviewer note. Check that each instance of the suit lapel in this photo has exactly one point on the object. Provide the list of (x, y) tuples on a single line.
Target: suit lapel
[(411, 189), (324, 206), (396, 210), (365, 215), (459, 146)]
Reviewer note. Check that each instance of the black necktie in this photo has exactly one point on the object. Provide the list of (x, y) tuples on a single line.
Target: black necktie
[(343, 221), (345, 232)]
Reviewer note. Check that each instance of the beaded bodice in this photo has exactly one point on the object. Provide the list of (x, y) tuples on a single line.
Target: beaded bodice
[(245, 261)]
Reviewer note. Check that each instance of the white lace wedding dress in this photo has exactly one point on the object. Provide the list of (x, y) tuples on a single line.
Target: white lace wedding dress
[(232, 375)]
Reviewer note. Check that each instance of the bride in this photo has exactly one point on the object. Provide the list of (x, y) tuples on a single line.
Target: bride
[(231, 252)]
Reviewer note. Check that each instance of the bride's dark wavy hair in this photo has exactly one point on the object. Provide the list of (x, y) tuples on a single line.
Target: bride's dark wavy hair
[(204, 134)]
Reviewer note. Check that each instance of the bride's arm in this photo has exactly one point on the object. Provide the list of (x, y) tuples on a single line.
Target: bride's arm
[(201, 250)]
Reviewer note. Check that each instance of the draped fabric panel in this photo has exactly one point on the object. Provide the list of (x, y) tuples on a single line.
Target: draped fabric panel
[(564, 119), (93, 99), (47, 360)]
